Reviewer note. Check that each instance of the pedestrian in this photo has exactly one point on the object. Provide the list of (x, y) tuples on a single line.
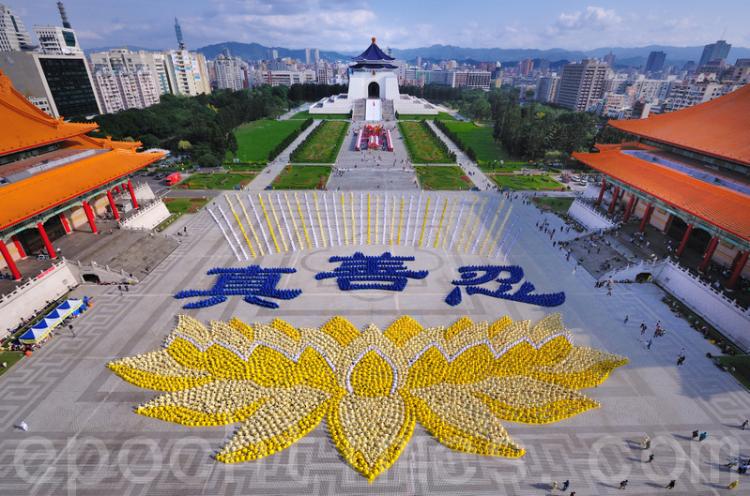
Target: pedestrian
[(627, 317), (680, 360), (696, 433), (566, 485), (23, 426), (650, 342), (671, 484), (623, 484), (650, 458), (733, 484), (554, 486), (703, 435), (745, 424)]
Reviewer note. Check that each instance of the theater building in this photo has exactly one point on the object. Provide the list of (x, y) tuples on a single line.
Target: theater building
[(686, 173), (55, 179)]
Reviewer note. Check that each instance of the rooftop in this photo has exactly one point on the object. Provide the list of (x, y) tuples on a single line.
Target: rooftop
[(31, 127), (716, 205), (718, 128), (24, 199), (373, 54)]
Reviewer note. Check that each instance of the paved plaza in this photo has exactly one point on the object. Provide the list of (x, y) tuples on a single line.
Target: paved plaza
[(84, 437)]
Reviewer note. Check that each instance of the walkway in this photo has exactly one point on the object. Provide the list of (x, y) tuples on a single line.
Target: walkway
[(470, 168), (373, 170), (291, 113)]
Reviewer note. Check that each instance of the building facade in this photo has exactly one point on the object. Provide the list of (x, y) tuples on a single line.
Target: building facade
[(187, 73), (582, 85), (13, 33)]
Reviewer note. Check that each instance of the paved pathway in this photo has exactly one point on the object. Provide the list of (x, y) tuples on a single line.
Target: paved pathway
[(373, 170), (290, 114), (470, 168)]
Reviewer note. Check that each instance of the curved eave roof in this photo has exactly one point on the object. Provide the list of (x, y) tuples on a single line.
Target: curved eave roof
[(29, 197), (24, 126), (373, 54), (361, 65), (718, 206), (719, 128)]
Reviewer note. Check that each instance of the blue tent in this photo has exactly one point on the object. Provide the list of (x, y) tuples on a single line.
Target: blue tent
[(41, 329)]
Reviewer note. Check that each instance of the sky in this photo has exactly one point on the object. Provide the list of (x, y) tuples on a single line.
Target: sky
[(347, 25)]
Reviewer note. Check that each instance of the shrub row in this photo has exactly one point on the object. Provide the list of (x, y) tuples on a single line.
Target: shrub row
[(469, 151), (288, 140), (436, 139)]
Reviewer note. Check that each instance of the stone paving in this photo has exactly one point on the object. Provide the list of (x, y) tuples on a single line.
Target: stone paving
[(373, 170), (84, 438)]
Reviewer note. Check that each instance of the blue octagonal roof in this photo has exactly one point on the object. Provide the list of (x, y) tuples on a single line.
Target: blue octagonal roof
[(373, 53)]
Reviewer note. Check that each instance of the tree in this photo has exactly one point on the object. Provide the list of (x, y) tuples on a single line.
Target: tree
[(184, 145)]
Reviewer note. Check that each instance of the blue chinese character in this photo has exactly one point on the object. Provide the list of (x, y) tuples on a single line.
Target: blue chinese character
[(474, 276), (250, 282), (372, 272)]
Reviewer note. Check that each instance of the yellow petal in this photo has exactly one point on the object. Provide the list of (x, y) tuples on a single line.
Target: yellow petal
[(159, 371), (527, 400), (402, 330), (461, 421), (218, 403), (287, 415), (372, 376), (341, 330), (582, 367), (370, 433), (460, 325)]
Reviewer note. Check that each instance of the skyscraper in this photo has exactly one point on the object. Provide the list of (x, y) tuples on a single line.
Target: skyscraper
[(13, 34), (178, 33), (655, 62), (581, 84), (714, 51), (609, 59)]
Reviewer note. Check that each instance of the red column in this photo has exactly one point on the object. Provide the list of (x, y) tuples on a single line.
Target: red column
[(90, 216), (710, 249), (613, 203), (47, 244), (9, 261), (19, 246), (601, 192), (65, 224), (112, 205), (629, 208), (646, 217), (737, 271), (683, 243), (132, 194)]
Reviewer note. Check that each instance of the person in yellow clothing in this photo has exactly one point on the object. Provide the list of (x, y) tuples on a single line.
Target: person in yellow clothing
[(733, 484)]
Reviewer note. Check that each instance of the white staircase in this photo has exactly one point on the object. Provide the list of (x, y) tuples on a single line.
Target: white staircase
[(358, 111), (389, 113)]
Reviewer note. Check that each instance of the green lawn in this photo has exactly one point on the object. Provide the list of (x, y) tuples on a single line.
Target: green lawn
[(423, 146), (302, 177), (244, 167), (433, 177), (521, 182), (441, 116), (219, 180), (307, 115), (184, 205), (256, 139), (322, 144), (496, 166), (479, 139), (554, 204), (9, 357)]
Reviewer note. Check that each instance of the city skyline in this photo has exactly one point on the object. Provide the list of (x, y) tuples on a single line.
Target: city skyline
[(338, 25)]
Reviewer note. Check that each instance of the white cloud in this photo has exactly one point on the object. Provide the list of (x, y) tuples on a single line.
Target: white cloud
[(591, 18)]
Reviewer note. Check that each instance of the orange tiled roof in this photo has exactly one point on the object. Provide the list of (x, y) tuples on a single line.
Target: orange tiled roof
[(24, 199), (24, 126), (720, 207), (718, 128)]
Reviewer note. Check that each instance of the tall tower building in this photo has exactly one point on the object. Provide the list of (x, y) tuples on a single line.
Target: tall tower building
[(582, 84), (307, 56), (63, 15), (655, 62), (715, 51), (178, 33), (13, 34), (317, 56)]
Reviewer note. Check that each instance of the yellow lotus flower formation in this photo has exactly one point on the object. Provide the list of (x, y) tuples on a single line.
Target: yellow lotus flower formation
[(373, 386)]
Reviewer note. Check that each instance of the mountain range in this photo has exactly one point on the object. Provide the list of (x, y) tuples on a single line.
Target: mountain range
[(626, 56)]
